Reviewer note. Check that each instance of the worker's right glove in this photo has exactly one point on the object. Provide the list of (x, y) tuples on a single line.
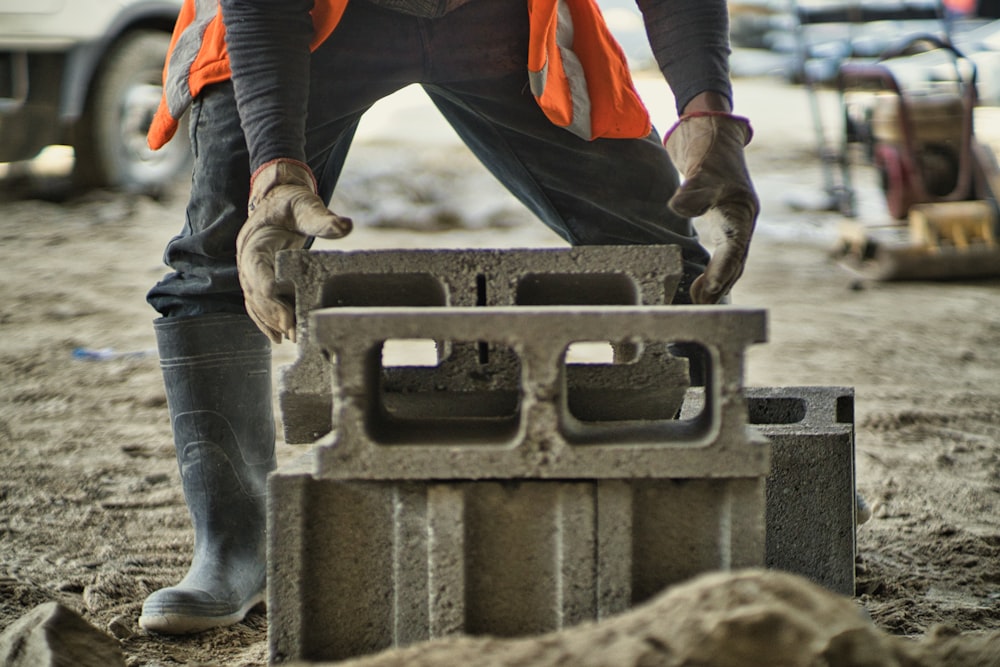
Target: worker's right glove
[(707, 148), (284, 211)]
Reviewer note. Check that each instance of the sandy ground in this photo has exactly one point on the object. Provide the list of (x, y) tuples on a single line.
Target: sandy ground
[(91, 511)]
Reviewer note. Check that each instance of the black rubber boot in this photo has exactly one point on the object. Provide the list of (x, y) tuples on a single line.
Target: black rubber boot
[(217, 373)]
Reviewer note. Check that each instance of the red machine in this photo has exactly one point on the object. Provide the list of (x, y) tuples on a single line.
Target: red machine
[(935, 176)]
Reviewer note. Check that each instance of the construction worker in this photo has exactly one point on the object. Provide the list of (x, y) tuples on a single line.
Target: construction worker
[(537, 89)]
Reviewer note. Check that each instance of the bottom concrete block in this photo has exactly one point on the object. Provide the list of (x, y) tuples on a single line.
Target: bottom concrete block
[(358, 567)]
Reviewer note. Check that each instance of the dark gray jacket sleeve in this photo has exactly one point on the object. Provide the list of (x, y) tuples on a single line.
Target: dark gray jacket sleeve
[(268, 43), (690, 40)]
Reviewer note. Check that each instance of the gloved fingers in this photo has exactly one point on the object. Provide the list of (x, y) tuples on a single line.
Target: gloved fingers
[(273, 335), (273, 316), (737, 221), (710, 188), (692, 199), (724, 269), (311, 217)]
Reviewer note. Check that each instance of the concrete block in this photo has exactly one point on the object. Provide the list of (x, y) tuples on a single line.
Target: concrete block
[(590, 275), (356, 567), (539, 435), (503, 490), (811, 522), (811, 509)]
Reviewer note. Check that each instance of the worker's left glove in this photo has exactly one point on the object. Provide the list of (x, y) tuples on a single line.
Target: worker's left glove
[(707, 148), (284, 211)]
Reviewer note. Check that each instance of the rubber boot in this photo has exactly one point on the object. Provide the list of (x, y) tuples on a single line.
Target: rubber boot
[(217, 373)]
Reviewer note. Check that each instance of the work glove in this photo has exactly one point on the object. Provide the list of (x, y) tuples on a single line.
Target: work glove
[(283, 212), (707, 148)]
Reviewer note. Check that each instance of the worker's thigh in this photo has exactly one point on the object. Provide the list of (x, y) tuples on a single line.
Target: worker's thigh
[(202, 257), (602, 192), (375, 51), (372, 53)]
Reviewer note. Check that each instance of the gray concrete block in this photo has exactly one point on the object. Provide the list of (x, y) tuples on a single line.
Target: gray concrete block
[(540, 436), (356, 567), (811, 509), (811, 522), (590, 275)]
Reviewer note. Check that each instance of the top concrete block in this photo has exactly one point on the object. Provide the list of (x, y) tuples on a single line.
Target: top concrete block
[(536, 435), (586, 275)]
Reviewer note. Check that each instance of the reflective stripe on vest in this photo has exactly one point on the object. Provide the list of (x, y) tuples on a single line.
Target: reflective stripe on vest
[(579, 74)]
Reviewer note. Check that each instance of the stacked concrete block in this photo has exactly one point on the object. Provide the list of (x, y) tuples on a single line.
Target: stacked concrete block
[(595, 275), (502, 489), (399, 527)]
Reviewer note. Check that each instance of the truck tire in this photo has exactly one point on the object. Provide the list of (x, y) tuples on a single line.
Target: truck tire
[(110, 137)]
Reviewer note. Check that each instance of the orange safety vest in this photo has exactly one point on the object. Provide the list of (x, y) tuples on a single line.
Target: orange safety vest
[(577, 71)]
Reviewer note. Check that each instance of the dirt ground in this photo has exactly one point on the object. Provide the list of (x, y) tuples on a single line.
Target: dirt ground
[(91, 512)]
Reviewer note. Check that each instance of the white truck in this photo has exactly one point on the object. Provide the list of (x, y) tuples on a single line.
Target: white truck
[(87, 74)]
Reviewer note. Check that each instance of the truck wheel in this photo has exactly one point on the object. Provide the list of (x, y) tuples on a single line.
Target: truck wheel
[(110, 137)]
